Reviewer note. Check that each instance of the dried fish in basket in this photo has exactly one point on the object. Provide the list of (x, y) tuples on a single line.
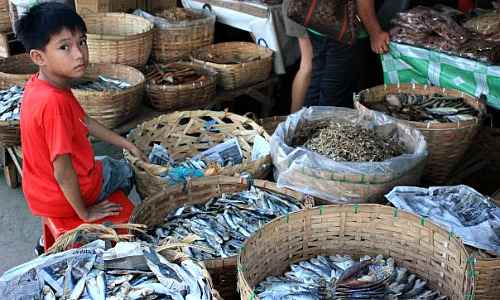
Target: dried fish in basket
[(10, 105), (220, 224), (174, 74), (102, 84), (178, 14)]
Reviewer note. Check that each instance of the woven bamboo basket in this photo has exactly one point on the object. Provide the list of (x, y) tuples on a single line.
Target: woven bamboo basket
[(271, 123), (235, 75), (356, 230), (447, 142), (195, 95), (153, 211), (10, 133), (5, 24), (112, 108), (185, 134), (17, 68), (119, 38), (178, 39)]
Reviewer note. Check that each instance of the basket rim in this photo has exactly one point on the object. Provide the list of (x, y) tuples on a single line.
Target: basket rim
[(118, 15), (12, 59), (429, 126), (267, 55), (120, 66)]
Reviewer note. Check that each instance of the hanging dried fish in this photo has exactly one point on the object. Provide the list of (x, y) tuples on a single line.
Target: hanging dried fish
[(10, 103), (343, 141), (173, 74), (425, 108), (102, 84)]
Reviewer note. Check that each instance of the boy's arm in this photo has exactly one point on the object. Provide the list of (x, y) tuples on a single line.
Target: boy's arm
[(106, 135), (379, 39), (68, 181)]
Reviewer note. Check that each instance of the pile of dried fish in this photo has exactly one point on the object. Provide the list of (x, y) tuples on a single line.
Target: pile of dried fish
[(343, 141), (179, 14), (173, 74), (425, 108), (127, 271), (222, 225), (10, 103), (340, 277), (102, 84), (233, 59)]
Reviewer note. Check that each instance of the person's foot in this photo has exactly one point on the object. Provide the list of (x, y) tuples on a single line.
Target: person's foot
[(39, 247)]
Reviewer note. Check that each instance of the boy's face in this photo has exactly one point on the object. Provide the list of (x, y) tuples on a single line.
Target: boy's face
[(65, 57)]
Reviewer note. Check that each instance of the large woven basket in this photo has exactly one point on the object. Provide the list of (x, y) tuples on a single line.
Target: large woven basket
[(185, 134), (232, 76), (153, 211), (119, 38), (178, 39), (447, 142), (112, 108), (5, 24), (10, 133), (356, 230), (195, 95), (17, 68)]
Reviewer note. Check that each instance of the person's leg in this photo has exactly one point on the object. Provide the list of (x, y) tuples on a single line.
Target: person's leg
[(303, 77), (338, 83), (117, 174), (319, 47)]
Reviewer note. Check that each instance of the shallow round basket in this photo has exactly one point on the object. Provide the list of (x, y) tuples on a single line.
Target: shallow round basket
[(194, 95), (233, 76), (356, 230), (180, 38), (447, 142), (119, 38), (152, 212), (187, 133), (5, 24), (112, 108), (17, 68), (10, 133)]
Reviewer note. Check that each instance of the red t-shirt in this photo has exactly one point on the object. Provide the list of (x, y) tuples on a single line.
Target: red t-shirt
[(52, 124)]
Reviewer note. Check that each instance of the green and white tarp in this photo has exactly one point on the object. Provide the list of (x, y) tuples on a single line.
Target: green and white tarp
[(409, 64)]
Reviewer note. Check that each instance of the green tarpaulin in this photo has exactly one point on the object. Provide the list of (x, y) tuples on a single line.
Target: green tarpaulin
[(409, 64)]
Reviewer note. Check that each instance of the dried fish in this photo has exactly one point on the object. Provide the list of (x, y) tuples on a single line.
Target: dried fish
[(173, 74), (10, 103), (102, 84), (340, 277), (425, 108), (343, 141), (176, 15), (222, 225)]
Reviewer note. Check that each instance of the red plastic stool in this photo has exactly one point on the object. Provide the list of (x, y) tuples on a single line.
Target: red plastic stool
[(55, 227)]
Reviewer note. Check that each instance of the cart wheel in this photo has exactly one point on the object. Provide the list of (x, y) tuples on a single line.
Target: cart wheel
[(10, 174)]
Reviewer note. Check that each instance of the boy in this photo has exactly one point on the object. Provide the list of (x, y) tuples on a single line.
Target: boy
[(61, 178)]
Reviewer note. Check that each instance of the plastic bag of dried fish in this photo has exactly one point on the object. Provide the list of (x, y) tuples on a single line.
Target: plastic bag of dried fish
[(309, 172), (222, 225), (10, 103), (460, 209), (341, 277), (102, 84), (127, 271)]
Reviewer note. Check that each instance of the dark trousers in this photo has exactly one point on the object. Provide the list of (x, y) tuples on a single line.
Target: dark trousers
[(333, 80)]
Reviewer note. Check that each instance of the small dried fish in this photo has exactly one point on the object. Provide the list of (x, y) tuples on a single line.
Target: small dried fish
[(173, 74), (10, 103), (343, 141), (102, 84), (340, 277), (176, 15)]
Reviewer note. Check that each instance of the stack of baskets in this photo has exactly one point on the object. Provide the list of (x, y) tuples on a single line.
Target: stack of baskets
[(112, 108), (5, 24), (153, 211), (187, 133), (422, 247), (196, 94), (447, 142), (174, 40), (238, 64), (119, 38)]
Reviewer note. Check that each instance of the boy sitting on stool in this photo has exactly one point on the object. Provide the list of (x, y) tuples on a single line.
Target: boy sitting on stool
[(61, 178)]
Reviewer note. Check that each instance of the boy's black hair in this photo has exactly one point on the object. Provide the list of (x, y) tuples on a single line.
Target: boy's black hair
[(42, 21)]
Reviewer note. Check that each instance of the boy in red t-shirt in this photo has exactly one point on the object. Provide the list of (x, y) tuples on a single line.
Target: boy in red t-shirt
[(61, 178)]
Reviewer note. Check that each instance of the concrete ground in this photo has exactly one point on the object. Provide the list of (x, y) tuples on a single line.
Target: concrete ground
[(19, 229)]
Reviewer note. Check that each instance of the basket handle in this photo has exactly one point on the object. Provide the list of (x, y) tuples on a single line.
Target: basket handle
[(206, 5), (260, 40)]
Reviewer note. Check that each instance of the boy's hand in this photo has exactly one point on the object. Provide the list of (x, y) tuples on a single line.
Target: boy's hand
[(102, 210), (137, 153)]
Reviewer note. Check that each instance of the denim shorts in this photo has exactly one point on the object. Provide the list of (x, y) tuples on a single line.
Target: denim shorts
[(116, 174)]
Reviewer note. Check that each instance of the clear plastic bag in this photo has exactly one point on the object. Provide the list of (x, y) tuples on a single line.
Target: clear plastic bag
[(302, 170), (162, 23)]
